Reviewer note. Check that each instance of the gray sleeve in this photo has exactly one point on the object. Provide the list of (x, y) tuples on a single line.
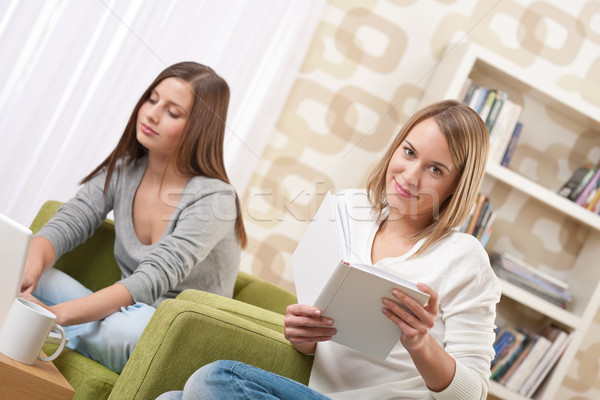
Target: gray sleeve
[(77, 219), (206, 224)]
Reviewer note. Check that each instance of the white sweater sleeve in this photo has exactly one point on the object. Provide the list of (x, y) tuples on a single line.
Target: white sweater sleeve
[(469, 295)]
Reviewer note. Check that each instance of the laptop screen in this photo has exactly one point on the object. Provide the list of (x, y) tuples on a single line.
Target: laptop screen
[(14, 245)]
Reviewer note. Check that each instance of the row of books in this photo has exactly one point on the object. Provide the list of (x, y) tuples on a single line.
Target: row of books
[(532, 279), (501, 116), (583, 187), (524, 358), (479, 223)]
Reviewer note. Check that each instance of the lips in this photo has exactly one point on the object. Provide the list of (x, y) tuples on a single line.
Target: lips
[(146, 130), (402, 191)]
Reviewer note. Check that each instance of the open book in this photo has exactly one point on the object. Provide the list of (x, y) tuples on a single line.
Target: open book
[(348, 292)]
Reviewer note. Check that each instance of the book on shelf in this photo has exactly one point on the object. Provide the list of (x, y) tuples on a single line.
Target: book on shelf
[(538, 348), (485, 220), (560, 340), (508, 358), (503, 129), (347, 291), (467, 91), (478, 98), (512, 145), (479, 206), (508, 342), (594, 205), (501, 97), (480, 219), (573, 183), (589, 189), (484, 112), (583, 182), (509, 369), (532, 279)]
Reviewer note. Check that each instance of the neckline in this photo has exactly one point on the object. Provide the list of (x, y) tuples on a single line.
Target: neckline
[(141, 170), (375, 229)]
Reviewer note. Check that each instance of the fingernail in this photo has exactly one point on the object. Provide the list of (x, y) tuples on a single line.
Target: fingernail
[(329, 322)]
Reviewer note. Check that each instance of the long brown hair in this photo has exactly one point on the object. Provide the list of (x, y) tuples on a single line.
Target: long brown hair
[(468, 139), (199, 148)]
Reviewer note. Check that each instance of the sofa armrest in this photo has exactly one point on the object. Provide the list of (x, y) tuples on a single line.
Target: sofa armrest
[(253, 290), (249, 312), (182, 336)]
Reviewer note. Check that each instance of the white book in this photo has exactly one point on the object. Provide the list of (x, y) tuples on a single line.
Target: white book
[(350, 293), (503, 129), (520, 375), (545, 365)]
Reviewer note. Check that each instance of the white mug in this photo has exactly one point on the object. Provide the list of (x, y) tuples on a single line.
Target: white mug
[(26, 329)]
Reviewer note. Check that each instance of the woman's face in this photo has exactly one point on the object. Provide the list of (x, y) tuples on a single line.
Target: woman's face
[(421, 174), (163, 115)]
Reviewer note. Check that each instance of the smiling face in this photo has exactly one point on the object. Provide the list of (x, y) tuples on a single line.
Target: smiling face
[(163, 115), (421, 174)]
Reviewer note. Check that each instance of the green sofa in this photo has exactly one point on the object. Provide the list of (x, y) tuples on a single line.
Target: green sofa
[(184, 334)]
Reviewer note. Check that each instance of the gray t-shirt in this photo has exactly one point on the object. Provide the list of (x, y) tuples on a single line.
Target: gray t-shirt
[(198, 249)]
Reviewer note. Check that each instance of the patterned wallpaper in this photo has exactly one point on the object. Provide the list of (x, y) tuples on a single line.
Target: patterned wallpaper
[(364, 74)]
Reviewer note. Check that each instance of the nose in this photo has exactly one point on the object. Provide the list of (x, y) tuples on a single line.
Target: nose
[(152, 112), (412, 174)]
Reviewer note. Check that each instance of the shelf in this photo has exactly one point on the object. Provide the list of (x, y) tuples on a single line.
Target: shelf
[(540, 305), (549, 198), (501, 392)]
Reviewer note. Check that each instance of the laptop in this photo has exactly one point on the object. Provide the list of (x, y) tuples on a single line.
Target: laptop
[(14, 245)]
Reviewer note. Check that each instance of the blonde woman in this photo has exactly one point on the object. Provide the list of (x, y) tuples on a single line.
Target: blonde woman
[(403, 222)]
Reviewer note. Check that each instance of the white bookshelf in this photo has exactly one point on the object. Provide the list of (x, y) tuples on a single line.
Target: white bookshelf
[(518, 306)]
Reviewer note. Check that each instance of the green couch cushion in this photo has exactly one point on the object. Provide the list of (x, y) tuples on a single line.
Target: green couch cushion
[(251, 290), (186, 336)]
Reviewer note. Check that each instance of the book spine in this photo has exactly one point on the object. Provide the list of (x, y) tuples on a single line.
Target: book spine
[(480, 201), (487, 104), (528, 364), (504, 365), (501, 97), (512, 145), (583, 183), (592, 184), (540, 370), (506, 133), (569, 187), (469, 90)]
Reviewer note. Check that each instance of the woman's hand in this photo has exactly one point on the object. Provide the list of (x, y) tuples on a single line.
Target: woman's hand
[(435, 365), (305, 327), (40, 257), (415, 326)]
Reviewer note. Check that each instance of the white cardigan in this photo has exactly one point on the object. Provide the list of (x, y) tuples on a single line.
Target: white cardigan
[(458, 269)]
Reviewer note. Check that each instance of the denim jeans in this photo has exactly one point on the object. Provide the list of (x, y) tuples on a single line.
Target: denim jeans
[(109, 341), (235, 380)]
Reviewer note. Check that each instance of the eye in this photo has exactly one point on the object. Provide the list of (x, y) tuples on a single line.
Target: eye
[(408, 151), (436, 170), (173, 114), (151, 100)]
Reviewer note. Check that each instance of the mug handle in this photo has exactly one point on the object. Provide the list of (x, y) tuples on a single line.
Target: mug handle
[(63, 341)]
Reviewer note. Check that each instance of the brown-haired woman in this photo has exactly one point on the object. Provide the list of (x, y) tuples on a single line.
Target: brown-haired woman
[(177, 219)]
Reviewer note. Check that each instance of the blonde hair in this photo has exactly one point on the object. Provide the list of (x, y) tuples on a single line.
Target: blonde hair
[(468, 139)]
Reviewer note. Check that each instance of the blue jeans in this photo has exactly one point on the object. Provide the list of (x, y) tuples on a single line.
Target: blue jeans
[(235, 380), (109, 341)]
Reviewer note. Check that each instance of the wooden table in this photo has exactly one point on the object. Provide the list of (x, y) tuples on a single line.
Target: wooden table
[(40, 381)]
